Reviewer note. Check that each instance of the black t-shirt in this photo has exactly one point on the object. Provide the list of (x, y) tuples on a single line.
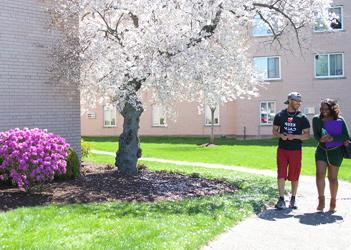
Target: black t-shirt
[(291, 123)]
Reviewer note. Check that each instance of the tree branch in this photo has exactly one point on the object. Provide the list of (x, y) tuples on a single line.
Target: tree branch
[(280, 11), (206, 32), (109, 30), (275, 35)]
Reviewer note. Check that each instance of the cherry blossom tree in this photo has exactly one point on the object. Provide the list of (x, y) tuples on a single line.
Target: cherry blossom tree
[(178, 50)]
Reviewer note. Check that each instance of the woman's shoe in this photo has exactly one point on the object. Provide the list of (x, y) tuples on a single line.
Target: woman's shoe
[(332, 205), (321, 203)]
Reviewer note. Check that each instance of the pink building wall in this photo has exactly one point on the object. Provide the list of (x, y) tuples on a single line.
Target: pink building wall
[(188, 122)]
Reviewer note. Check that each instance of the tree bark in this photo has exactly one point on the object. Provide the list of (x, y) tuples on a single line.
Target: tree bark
[(129, 147)]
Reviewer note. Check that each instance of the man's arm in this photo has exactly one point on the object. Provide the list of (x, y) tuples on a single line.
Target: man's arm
[(304, 136), (276, 133)]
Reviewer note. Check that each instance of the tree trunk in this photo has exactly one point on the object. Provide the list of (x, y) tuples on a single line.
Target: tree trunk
[(212, 125), (129, 148)]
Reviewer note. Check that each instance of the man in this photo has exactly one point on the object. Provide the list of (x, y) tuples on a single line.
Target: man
[(291, 127)]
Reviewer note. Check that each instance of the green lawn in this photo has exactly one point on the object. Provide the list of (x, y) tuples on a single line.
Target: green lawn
[(187, 224), (259, 154)]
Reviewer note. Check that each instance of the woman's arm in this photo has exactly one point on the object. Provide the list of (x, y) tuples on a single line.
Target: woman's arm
[(317, 128), (345, 135)]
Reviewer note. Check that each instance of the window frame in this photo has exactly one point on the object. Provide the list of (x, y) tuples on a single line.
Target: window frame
[(153, 116), (260, 112), (280, 67), (333, 30), (329, 76), (113, 110), (91, 115), (259, 19)]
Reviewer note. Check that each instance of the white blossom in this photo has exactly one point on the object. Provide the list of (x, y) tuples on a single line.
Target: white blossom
[(179, 50)]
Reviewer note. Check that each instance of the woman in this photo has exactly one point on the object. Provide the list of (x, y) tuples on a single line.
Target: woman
[(331, 132)]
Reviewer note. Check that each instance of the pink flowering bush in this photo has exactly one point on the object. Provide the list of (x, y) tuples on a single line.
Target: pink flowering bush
[(31, 156)]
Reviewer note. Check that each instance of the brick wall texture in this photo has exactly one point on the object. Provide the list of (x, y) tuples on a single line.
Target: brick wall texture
[(28, 98)]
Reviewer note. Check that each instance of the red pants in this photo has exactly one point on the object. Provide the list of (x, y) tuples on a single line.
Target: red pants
[(289, 164)]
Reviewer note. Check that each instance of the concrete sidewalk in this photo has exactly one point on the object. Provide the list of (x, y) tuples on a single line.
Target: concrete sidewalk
[(303, 228)]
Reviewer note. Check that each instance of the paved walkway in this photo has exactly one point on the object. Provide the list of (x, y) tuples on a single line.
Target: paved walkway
[(303, 228), (287, 229)]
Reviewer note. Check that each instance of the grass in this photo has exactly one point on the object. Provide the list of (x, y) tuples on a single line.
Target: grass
[(258, 154), (187, 224)]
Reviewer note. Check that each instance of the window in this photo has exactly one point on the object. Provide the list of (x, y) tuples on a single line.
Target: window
[(309, 110), (91, 115), (329, 65), (260, 28), (336, 18), (109, 116), (267, 112), (268, 66), (208, 118), (158, 116)]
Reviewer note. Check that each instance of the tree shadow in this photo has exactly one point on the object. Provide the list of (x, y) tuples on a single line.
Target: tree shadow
[(199, 206), (212, 206), (275, 214), (108, 196), (318, 218)]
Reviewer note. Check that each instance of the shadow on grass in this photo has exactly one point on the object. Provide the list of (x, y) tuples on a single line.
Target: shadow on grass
[(213, 206), (196, 206)]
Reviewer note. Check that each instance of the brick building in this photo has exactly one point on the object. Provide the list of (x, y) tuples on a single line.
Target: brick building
[(28, 98)]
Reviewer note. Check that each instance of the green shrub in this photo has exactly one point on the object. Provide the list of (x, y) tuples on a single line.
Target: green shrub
[(85, 148), (6, 181), (73, 165)]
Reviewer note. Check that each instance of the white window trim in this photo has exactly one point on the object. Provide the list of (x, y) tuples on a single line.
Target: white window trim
[(104, 125), (280, 68), (219, 120), (329, 76), (152, 119), (159, 126), (109, 126), (259, 113), (342, 21), (262, 35)]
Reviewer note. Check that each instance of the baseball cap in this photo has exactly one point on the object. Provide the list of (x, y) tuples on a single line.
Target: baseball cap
[(293, 96)]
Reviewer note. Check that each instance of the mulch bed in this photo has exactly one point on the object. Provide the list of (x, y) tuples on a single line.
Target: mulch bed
[(100, 183)]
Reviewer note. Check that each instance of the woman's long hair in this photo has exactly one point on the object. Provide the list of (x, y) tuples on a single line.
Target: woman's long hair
[(333, 106)]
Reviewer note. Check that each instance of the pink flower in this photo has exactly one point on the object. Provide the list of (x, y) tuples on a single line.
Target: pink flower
[(31, 155)]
